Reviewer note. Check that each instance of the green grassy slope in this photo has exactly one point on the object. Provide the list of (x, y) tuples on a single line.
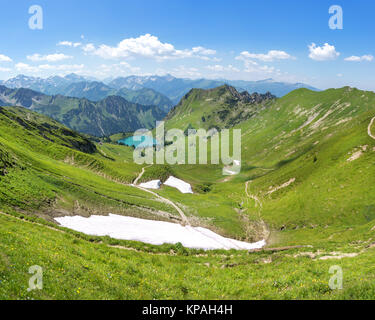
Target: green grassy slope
[(94, 91), (108, 116), (147, 97), (309, 160), (296, 155), (76, 268), (221, 107), (49, 170)]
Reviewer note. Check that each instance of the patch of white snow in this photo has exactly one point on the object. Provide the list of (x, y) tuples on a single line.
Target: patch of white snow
[(154, 232), (179, 184)]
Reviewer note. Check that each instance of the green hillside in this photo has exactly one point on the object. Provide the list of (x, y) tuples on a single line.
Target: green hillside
[(50, 170), (146, 97), (308, 158), (94, 91), (221, 107), (307, 163), (108, 116)]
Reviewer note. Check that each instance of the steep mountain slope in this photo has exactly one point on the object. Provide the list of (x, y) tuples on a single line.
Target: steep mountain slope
[(173, 88), (307, 163), (277, 88), (162, 91), (50, 85), (73, 85), (46, 128), (94, 91), (176, 88), (222, 107), (108, 116), (307, 160), (47, 169), (91, 90), (146, 97), (317, 142)]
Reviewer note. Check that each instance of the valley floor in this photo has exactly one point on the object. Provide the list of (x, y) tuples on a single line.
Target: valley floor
[(77, 268), (305, 186)]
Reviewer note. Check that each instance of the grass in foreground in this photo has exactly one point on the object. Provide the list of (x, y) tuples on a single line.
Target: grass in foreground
[(74, 268)]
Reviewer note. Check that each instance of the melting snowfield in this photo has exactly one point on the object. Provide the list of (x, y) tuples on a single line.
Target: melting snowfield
[(153, 184), (181, 185), (153, 232)]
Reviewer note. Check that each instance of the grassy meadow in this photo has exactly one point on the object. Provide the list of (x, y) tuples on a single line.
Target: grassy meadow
[(307, 161)]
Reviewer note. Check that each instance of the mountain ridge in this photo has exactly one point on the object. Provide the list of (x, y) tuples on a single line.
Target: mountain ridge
[(171, 87), (176, 88), (73, 85), (220, 107), (99, 118)]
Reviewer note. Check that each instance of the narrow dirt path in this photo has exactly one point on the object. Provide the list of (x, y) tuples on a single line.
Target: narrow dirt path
[(254, 197), (165, 200), (185, 221), (140, 175), (369, 128)]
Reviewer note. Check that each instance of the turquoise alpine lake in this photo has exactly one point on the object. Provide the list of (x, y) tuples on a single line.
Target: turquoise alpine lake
[(138, 141)]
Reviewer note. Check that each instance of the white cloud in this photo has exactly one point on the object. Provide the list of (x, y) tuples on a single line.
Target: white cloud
[(221, 68), (269, 56), (254, 67), (61, 67), (149, 46), (5, 69), (49, 57), (326, 52), (183, 72), (117, 69), (88, 47), (23, 67), (65, 68), (69, 44), (4, 58), (203, 51), (366, 57)]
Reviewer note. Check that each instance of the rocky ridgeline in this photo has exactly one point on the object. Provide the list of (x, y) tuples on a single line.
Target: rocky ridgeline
[(252, 98)]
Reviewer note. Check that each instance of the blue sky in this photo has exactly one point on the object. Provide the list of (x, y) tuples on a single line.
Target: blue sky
[(285, 40)]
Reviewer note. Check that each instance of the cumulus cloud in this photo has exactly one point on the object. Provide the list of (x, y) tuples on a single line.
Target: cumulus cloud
[(366, 57), (116, 69), (5, 69), (326, 52), (271, 55), (4, 58), (69, 44), (221, 68), (67, 68), (88, 47), (62, 67), (149, 46), (204, 51), (184, 71), (254, 67), (49, 57), (24, 67)]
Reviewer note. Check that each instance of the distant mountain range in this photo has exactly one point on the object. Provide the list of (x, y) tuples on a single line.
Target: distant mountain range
[(162, 91), (73, 85), (130, 103), (105, 117), (176, 88)]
